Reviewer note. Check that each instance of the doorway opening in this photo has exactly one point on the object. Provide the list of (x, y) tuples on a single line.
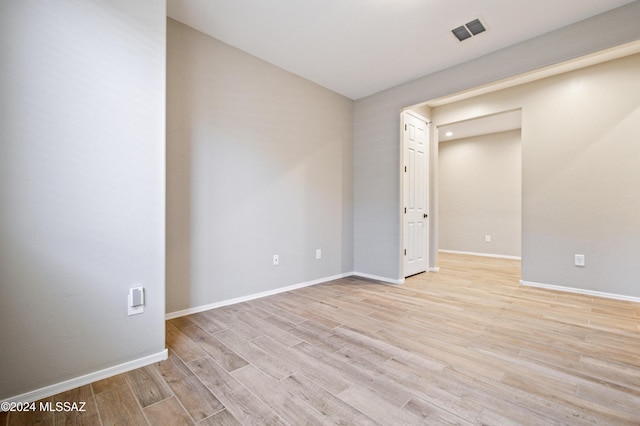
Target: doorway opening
[(482, 163), (480, 186)]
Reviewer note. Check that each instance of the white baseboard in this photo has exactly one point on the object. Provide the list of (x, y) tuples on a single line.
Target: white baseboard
[(89, 378), (379, 278), (581, 291), (499, 256), (434, 269), (202, 308)]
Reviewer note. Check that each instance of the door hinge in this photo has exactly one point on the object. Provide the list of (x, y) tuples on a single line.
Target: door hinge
[(405, 127), (405, 252), (405, 210), (405, 169)]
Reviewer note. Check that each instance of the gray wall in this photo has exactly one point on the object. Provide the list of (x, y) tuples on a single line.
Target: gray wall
[(376, 126), (480, 189), (579, 174), (259, 163), (81, 187)]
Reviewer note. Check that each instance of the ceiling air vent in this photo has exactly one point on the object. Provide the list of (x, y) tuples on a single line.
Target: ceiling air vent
[(469, 30)]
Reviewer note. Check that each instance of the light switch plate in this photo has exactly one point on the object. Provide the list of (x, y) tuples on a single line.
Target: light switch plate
[(135, 301)]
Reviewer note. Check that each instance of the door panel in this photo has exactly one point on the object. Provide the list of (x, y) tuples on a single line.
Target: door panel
[(416, 187)]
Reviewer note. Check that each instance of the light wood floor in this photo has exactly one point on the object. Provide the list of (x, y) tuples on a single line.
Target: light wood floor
[(466, 345)]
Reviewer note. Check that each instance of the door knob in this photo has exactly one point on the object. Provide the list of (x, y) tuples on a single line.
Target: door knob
[(425, 215)]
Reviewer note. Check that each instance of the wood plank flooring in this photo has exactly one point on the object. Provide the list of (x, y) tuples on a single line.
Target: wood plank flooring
[(467, 345)]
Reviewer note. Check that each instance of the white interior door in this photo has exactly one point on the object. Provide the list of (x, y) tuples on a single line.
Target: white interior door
[(416, 193)]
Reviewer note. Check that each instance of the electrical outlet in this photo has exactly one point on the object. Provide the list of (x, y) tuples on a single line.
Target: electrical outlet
[(487, 238), (135, 301), (276, 260), (318, 253), (578, 260)]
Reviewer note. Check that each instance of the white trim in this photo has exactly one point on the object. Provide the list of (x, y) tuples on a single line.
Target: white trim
[(499, 256), (202, 308), (434, 269), (379, 278), (581, 291), (57, 388)]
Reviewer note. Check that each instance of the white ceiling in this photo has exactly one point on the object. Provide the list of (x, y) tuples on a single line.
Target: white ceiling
[(360, 47), (495, 123)]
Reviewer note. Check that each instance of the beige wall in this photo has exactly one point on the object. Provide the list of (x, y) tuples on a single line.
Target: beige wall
[(580, 174), (479, 187), (82, 193), (260, 162)]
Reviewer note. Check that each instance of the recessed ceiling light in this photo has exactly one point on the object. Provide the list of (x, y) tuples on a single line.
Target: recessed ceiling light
[(448, 134)]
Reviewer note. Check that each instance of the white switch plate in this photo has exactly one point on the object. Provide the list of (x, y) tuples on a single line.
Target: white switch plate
[(135, 301), (276, 259), (579, 260), (487, 238), (318, 253)]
